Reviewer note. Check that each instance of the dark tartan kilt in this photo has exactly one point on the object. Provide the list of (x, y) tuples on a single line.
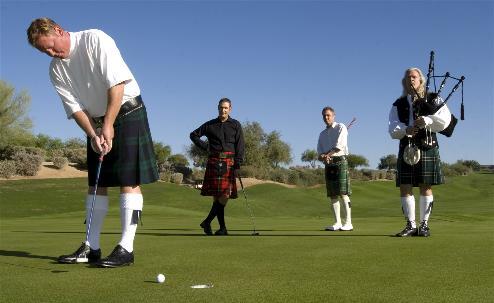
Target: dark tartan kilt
[(426, 171), (131, 161), (337, 179), (219, 182)]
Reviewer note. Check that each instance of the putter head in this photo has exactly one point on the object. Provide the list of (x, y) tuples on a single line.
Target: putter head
[(255, 234)]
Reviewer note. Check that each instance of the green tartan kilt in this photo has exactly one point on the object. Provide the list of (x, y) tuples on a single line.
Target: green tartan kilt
[(131, 161), (426, 171), (337, 179)]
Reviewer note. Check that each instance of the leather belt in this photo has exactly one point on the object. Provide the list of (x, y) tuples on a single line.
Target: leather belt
[(125, 109), (222, 155)]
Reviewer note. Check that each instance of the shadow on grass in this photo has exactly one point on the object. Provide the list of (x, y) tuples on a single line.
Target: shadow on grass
[(25, 254), (245, 233)]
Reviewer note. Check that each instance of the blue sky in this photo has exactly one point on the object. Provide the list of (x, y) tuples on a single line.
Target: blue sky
[(280, 62)]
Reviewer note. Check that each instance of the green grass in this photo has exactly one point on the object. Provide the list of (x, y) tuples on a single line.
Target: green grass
[(293, 260)]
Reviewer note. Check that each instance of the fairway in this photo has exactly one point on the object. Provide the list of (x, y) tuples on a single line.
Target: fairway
[(293, 259)]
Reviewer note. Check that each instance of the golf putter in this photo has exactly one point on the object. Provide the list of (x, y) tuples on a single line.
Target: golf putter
[(94, 199), (251, 213)]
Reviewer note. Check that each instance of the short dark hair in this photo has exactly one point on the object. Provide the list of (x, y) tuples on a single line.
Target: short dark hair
[(225, 100), (327, 108)]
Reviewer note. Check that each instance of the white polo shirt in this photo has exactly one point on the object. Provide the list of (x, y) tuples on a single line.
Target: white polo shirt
[(334, 136), (94, 65)]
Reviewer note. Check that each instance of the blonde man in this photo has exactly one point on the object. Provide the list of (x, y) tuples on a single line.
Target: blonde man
[(100, 93), (332, 148), (415, 123)]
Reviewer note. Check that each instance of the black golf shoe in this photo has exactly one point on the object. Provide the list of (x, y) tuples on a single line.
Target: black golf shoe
[(83, 254), (221, 232), (408, 231), (207, 228), (424, 230), (118, 257)]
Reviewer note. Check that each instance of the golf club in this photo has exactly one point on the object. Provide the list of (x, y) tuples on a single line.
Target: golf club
[(94, 199), (251, 213)]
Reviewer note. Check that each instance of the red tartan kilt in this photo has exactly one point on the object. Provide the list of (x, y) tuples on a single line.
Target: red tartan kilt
[(219, 183)]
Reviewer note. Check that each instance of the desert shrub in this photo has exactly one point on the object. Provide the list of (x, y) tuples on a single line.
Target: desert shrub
[(197, 174), (278, 175), (9, 152), (177, 178), (165, 176), (27, 164), (293, 177), (247, 171), (60, 162), (77, 156), (7, 168)]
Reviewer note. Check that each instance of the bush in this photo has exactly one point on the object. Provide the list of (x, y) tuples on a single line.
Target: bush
[(293, 177), (7, 168), (27, 164), (9, 152), (197, 174), (177, 178), (278, 175), (165, 176), (60, 162), (77, 156)]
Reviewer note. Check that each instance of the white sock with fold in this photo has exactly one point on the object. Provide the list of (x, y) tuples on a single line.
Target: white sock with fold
[(425, 207), (99, 213), (348, 209), (128, 203), (335, 203), (408, 204)]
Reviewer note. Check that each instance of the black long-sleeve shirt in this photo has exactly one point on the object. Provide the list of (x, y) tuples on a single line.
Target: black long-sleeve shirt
[(222, 137)]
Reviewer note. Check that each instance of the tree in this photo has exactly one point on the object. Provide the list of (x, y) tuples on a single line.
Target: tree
[(388, 162), (199, 156), (356, 161), (75, 143), (178, 160), (277, 151), (15, 126), (474, 165), (162, 152), (254, 137), (311, 156)]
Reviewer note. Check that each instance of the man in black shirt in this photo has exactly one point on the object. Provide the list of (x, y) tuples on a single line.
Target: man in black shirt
[(226, 152)]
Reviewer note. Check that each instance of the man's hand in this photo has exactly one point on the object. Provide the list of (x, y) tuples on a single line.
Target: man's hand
[(420, 122), (107, 134), (412, 130)]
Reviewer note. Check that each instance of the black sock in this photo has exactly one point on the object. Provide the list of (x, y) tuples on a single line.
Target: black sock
[(212, 213), (221, 215)]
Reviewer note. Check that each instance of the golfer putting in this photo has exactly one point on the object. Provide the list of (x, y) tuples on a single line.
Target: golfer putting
[(100, 93), (332, 148), (226, 152)]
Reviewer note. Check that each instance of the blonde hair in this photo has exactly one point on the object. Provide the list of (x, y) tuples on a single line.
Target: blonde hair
[(40, 27), (407, 86)]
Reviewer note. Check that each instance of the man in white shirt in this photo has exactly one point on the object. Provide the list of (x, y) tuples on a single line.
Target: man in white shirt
[(100, 93), (333, 149), (415, 123)]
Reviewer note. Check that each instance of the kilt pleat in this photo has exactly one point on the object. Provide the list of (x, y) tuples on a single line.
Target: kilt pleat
[(426, 171), (219, 183), (131, 161), (337, 179)]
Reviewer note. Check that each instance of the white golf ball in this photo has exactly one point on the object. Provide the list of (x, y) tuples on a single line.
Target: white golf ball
[(160, 278)]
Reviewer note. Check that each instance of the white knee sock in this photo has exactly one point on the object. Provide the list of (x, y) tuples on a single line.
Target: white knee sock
[(408, 204), (348, 209), (425, 207), (129, 203), (99, 213), (335, 203)]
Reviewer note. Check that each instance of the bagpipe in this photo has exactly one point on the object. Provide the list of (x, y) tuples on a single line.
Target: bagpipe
[(429, 107), (426, 106)]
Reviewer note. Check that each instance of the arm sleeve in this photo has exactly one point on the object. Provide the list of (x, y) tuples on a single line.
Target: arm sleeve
[(440, 120), (70, 102), (342, 138), (396, 128), (196, 135), (111, 65), (239, 146)]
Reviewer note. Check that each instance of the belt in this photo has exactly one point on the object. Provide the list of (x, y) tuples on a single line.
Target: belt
[(337, 159), (125, 109), (222, 155)]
